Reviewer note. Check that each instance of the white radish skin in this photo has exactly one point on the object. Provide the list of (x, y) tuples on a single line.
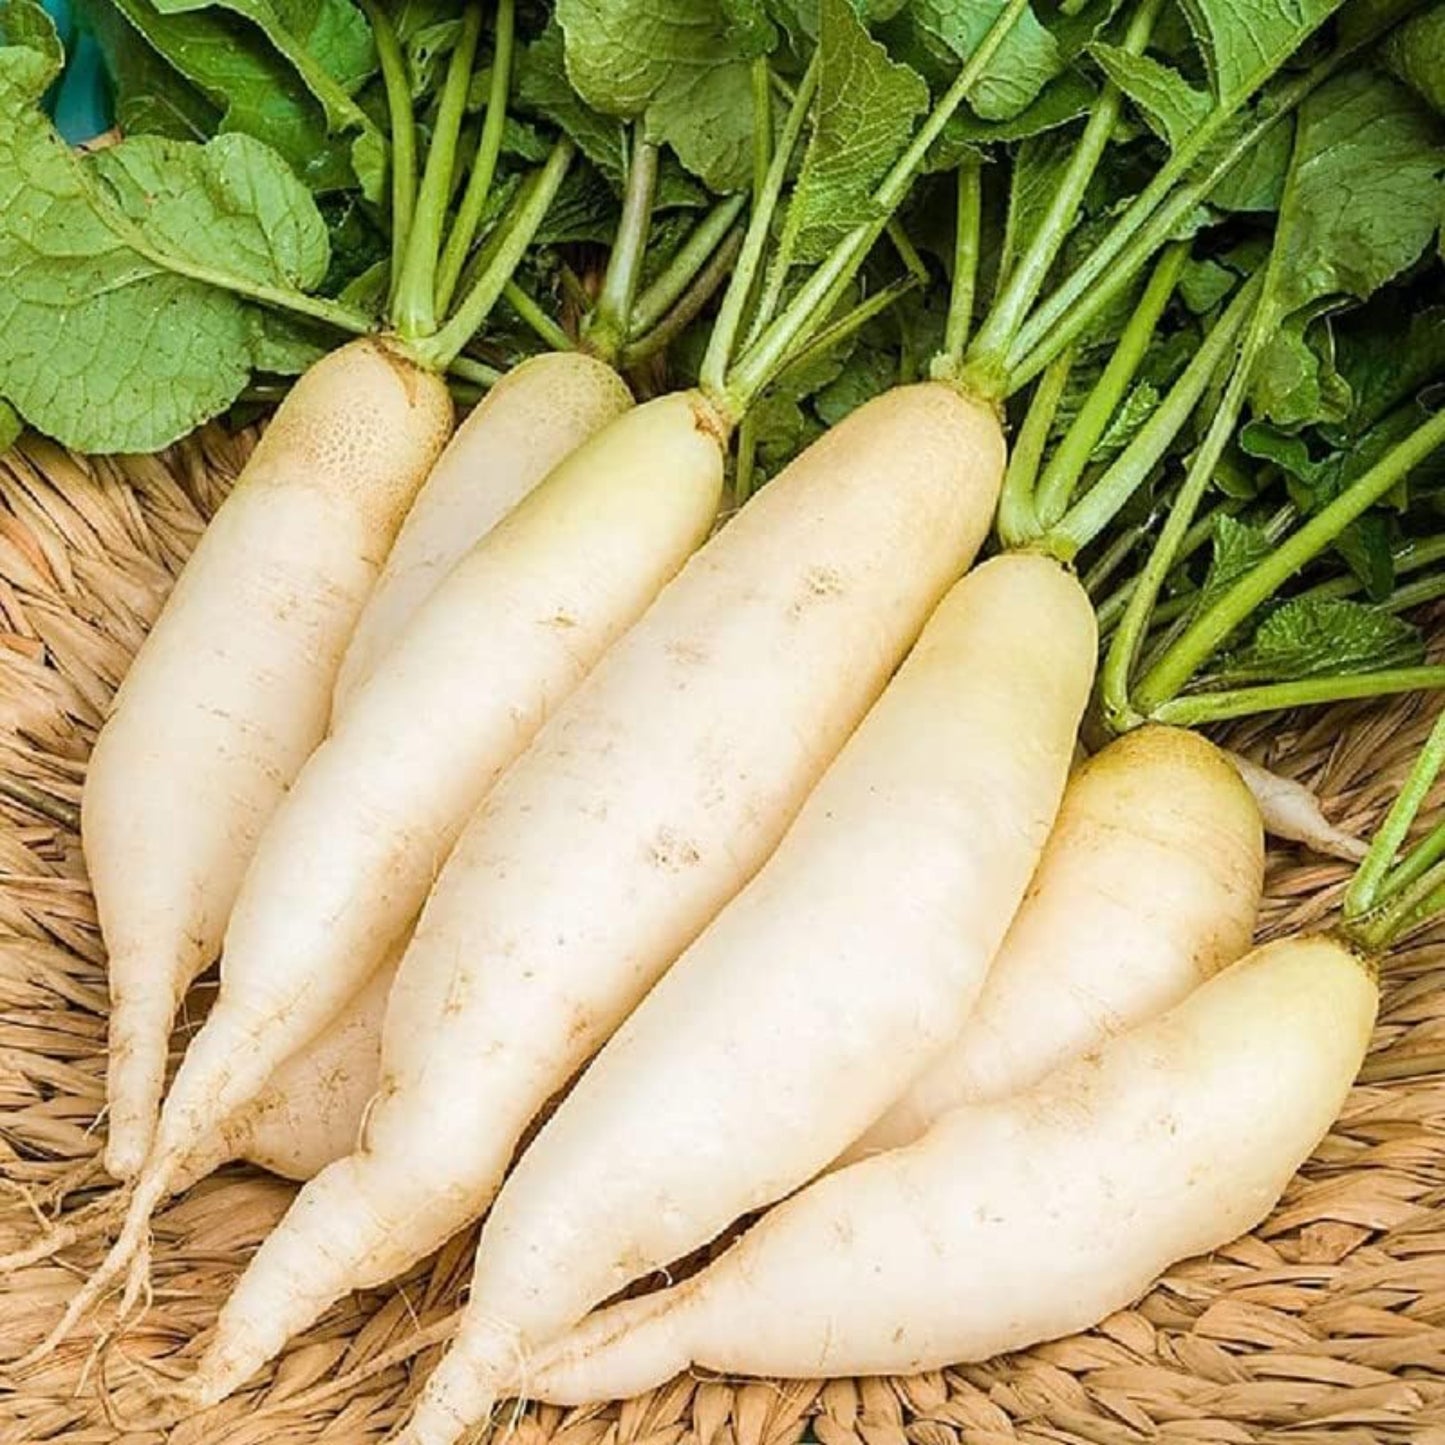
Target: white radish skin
[(648, 801), (231, 691), (537, 414), (1149, 884), (348, 859), (1024, 1219), (311, 1109), (803, 1009)]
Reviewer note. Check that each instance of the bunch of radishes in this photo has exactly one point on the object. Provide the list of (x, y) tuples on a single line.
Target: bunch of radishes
[(790, 832), (473, 760)]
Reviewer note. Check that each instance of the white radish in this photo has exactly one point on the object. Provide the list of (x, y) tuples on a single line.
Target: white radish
[(534, 416), (806, 1006), (1150, 883), (1023, 1219), (645, 804), (231, 691), (347, 861)]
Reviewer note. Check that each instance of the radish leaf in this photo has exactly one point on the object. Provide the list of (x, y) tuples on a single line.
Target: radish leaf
[(864, 116), (227, 204), (256, 91), (30, 51), (680, 65), (1294, 380), (1416, 53), (118, 327), (1386, 352), (151, 97), (1063, 99), (1172, 107), (542, 89), (1204, 284), (1361, 203), (327, 42), (1256, 183), (1315, 636), (1364, 198), (934, 35), (1136, 409), (1237, 547), (1243, 42)]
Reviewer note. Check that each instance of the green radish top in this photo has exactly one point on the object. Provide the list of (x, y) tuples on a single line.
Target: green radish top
[(154, 275), (222, 244), (1396, 889), (1156, 316), (289, 178), (768, 322), (1109, 411), (1130, 202), (1089, 233), (442, 287), (427, 257)]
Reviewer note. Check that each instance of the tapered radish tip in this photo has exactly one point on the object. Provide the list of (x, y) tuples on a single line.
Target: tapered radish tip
[(124, 1155), (211, 1383), (434, 1422)]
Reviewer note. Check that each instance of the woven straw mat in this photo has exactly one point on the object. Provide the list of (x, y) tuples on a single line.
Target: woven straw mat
[(1325, 1325)]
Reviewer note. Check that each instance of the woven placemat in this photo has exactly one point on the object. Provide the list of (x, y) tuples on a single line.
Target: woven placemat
[(1325, 1325)]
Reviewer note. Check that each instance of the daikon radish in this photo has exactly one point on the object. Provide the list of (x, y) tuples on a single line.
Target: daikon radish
[(230, 692), (347, 861)]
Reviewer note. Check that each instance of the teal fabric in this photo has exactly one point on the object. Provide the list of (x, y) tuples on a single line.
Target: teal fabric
[(80, 100)]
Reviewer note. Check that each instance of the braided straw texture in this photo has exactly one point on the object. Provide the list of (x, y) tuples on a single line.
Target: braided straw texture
[(1324, 1327)]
